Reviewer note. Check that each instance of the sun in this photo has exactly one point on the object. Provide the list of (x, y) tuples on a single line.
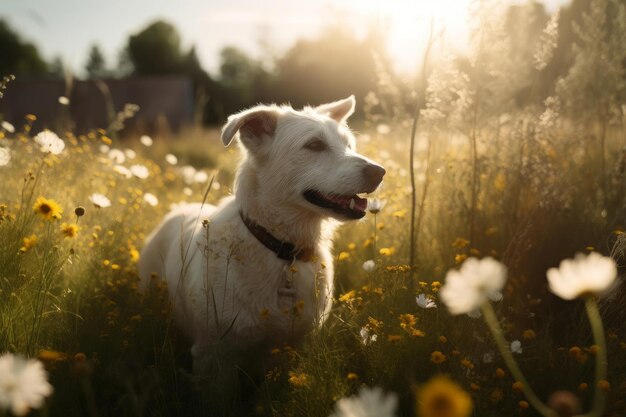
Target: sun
[(406, 24)]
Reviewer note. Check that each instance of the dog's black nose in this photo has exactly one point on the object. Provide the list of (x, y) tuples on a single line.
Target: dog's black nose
[(374, 174)]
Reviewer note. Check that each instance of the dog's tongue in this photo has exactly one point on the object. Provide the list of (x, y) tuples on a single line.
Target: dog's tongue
[(351, 202)]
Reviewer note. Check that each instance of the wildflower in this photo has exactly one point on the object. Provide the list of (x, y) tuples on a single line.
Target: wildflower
[(500, 373), (123, 171), (400, 214), (49, 142), (29, 243), (69, 230), (352, 376), (604, 385), (5, 156), (200, 177), (347, 297), (8, 126), (100, 200), (130, 154), (117, 156), (370, 402), (516, 347), (387, 251), (64, 101), (151, 199), (24, 384), (48, 209), (146, 141), (407, 320), (441, 397), (417, 333), (133, 254), (375, 205), (467, 289), (437, 357), (585, 274), (523, 405), (529, 334), (425, 302), (171, 159), (594, 349), (466, 363), (367, 336), (369, 265), (343, 256), (139, 171), (460, 243), (443, 339), (79, 211), (517, 386), (299, 380)]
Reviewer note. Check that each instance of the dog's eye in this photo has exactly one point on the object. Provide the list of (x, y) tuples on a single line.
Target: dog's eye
[(316, 145)]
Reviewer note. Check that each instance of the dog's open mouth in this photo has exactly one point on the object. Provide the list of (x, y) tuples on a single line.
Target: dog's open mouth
[(350, 206)]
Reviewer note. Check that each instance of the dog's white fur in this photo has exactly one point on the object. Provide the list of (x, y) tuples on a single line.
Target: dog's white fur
[(224, 283)]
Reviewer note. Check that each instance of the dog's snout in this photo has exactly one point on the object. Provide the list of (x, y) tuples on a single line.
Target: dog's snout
[(374, 174)]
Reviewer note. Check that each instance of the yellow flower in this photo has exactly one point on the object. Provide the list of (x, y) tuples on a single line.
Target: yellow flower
[(394, 338), (523, 405), (48, 209), (604, 385), (466, 363), (441, 397), (460, 243), (352, 376), (459, 258), (69, 230), (437, 357), (343, 256), (29, 242), (529, 334), (387, 251), (134, 254), (407, 320), (518, 386), (347, 296), (500, 373), (417, 333), (299, 380)]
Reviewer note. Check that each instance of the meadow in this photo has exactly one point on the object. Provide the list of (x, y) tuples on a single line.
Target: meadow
[(471, 173)]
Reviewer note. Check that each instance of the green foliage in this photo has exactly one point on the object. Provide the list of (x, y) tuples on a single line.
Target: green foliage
[(18, 57)]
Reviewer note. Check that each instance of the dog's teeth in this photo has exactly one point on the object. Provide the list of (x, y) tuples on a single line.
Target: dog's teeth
[(352, 204)]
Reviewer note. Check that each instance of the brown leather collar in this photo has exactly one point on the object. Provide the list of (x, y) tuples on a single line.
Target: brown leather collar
[(283, 250)]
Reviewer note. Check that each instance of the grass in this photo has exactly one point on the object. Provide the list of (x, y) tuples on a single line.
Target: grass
[(109, 350)]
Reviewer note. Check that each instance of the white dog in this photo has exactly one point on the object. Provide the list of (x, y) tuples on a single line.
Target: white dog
[(258, 268)]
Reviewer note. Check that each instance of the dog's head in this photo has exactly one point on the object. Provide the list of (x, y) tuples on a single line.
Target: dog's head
[(306, 158)]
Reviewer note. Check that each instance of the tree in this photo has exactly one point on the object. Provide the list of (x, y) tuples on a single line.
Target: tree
[(96, 64), (18, 57), (156, 50)]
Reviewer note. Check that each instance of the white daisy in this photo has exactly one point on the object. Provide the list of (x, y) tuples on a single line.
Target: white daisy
[(140, 171), (123, 171), (49, 142), (104, 148), (188, 191), (130, 154), (367, 336), (370, 402), (375, 205), (8, 126), (369, 266), (516, 347), (117, 156), (146, 140), (171, 159), (151, 199), (64, 101), (23, 384), (200, 177), (5, 156), (425, 302), (188, 173), (100, 200), (585, 274), (467, 289)]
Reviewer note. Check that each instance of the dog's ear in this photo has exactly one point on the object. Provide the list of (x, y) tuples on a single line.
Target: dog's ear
[(338, 110), (253, 126)]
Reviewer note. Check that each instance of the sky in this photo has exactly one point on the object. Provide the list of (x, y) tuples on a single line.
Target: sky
[(67, 28)]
